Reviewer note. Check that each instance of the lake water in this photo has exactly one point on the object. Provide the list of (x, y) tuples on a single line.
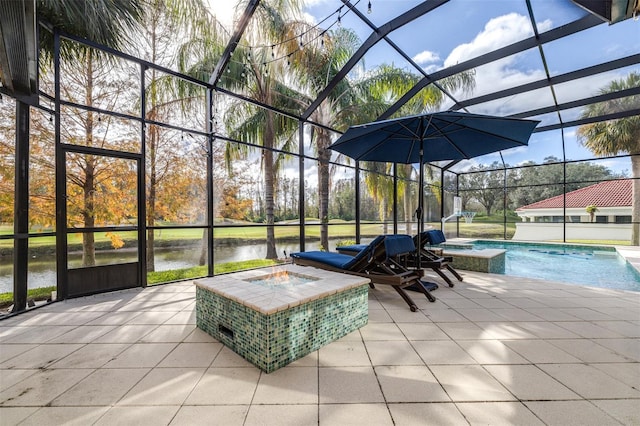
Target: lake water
[(42, 270)]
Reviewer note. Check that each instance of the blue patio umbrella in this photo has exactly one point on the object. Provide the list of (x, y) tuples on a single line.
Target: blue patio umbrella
[(432, 137)]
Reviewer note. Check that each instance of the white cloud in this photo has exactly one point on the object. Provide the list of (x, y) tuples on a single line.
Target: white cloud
[(498, 32), (426, 57), (508, 72)]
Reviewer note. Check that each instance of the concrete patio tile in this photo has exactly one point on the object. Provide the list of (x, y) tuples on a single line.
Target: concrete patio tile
[(344, 385), (398, 353), (630, 348), (163, 386), (442, 352), (14, 415), (462, 330), (515, 314), (9, 378), (470, 383), (151, 318), (83, 334), (228, 358), (422, 331), (378, 315), (461, 303), (182, 317), (528, 382), (310, 360), (351, 353), (498, 413), (93, 355), (10, 350), (225, 386), (381, 331), (39, 334), (431, 413), (79, 416), (587, 314), (479, 314), (169, 333), (444, 315), (624, 328), (102, 387), (589, 382), (589, 330), (141, 355), (354, 415), (282, 415), (570, 413), (191, 355), (41, 388), (540, 351), (546, 330), (410, 384), (41, 356), (405, 315), (114, 318), (551, 314), (492, 303), (147, 415), (626, 411), (491, 352), (587, 350), (628, 373), (211, 415), (523, 302), (125, 334), (288, 385), (199, 336), (503, 330)]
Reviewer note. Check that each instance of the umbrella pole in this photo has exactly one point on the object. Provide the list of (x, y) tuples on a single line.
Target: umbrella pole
[(420, 198)]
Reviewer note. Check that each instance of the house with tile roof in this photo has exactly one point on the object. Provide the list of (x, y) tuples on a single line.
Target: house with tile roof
[(548, 219)]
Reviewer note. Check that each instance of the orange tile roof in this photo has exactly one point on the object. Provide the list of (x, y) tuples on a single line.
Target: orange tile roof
[(612, 193)]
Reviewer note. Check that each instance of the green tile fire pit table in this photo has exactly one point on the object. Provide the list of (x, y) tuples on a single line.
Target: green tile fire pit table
[(272, 317)]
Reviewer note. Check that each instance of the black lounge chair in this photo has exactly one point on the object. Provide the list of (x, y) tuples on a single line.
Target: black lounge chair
[(429, 259), (377, 261)]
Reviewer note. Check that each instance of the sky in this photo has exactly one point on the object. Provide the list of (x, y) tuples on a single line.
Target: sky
[(463, 29)]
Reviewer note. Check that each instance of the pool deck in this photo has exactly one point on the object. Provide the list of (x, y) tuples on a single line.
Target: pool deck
[(492, 350)]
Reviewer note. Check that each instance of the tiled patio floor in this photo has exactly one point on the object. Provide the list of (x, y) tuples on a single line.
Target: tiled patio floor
[(492, 350)]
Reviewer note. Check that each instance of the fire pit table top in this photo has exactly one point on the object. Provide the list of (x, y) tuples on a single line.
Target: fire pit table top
[(262, 290)]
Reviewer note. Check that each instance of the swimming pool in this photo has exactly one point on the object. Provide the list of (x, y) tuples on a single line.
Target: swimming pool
[(576, 264)]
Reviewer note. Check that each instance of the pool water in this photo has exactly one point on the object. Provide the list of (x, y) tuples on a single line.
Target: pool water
[(577, 264)]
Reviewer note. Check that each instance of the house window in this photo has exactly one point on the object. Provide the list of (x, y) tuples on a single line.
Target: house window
[(602, 219), (623, 219)]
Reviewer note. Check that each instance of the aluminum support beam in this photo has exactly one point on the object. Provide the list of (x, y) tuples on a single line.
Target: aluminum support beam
[(551, 35), (235, 38)]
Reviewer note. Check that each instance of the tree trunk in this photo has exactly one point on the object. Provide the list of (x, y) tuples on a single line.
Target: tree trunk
[(88, 213), (152, 143), (324, 155), (269, 186), (635, 203)]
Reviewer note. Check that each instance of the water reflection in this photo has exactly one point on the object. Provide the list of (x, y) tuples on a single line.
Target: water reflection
[(42, 270)]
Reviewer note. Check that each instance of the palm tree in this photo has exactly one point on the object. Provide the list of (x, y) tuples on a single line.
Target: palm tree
[(107, 22), (608, 138), (253, 73)]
